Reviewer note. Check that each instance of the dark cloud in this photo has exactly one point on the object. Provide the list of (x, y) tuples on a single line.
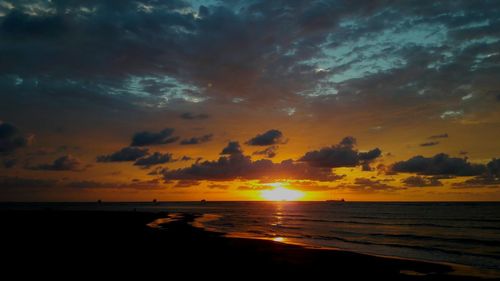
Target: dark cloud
[(366, 185), (186, 183), (18, 25), (18, 182), (431, 143), (154, 184), (478, 182), (11, 138), (233, 147), (197, 140), (366, 167), (269, 152), (348, 142), (124, 154), (63, 163), (439, 164), (238, 166), (367, 157), (343, 154), (151, 138), (440, 136), (154, 159), (152, 53), (491, 178), (494, 168), (419, 181), (193, 116), (270, 137)]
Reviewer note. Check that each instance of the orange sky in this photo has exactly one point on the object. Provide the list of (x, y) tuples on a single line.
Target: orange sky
[(113, 101)]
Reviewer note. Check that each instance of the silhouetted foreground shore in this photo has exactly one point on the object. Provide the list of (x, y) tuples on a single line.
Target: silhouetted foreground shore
[(97, 244)]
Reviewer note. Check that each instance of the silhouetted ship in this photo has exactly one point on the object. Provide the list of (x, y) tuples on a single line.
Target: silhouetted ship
[(203, 201)]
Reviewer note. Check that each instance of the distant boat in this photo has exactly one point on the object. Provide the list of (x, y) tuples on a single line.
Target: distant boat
[(203, 201), (155, 201), (335, 201)]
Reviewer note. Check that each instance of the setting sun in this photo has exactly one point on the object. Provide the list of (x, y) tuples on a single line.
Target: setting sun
[(281, 194)]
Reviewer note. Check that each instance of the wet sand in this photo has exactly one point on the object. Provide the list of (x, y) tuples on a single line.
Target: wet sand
[(121, 244)]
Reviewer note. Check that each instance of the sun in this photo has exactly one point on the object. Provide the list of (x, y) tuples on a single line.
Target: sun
[(281, 194)]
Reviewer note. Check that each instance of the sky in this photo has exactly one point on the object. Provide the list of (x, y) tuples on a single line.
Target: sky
[(365, 100)]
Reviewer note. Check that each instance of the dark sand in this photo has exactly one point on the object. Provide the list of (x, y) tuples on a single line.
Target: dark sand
[(77, 244)]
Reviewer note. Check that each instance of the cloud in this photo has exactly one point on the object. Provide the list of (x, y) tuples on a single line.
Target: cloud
[(124, 154), (20, 183), (270, 137), (311, 186), (478, 182), (151, 138), (193, 116), (154, 159), (366, 185), (186, 183), (118, 51), (494, 167), (343, 154), (11, 138), (269, 152), (218, 186), (153, 184), (233, 147), (491, 178), (63, 163), (452, 114), (439, 164), (197, 140), (440, 136), (254, 187), (431, 143), (238, 166), (419, 181)]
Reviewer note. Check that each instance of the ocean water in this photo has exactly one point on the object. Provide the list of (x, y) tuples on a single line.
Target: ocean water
[(459, 233)]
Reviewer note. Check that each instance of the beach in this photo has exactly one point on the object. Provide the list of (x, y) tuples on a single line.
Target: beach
[(53, 242)]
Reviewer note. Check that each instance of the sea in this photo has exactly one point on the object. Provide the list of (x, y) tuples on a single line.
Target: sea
[(462, 233)]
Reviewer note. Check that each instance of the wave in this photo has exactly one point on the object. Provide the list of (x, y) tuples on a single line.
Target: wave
[(401, 224), (492, 243), (422, 248), (285, 226), (432, 219)]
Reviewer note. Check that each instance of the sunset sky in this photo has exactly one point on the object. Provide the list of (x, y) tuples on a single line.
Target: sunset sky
[(227, 100)]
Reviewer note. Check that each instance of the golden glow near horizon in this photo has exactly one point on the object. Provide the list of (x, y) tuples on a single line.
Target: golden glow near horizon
[(280, 193)]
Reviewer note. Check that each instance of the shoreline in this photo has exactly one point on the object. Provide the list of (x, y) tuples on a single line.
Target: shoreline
[(456, 269), (123, 236)]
